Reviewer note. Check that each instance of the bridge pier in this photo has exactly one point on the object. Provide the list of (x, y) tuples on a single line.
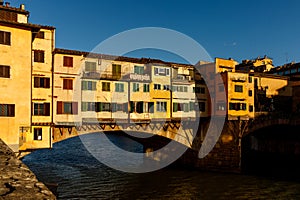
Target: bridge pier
[(225, 155)]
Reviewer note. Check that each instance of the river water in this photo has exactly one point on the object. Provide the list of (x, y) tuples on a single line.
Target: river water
[(80, 176)]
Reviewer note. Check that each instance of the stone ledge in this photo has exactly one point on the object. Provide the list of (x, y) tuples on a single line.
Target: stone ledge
[(16, 179)]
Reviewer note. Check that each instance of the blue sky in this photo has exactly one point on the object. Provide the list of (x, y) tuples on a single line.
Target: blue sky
[(237, 29)]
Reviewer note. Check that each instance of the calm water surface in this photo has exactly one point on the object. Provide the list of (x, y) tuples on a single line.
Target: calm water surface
[(80, 176)]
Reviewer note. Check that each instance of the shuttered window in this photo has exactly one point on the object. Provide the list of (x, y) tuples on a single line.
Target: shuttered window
[(4, 71), (67, 107), (68, 61), (88, 85), (41, 35), (106, 86), (39, 56), (5, 38), (41, 109), (68, 84), (41, 82), (7, 110)]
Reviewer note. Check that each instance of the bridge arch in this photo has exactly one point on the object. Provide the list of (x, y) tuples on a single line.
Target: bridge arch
[(271, 148)]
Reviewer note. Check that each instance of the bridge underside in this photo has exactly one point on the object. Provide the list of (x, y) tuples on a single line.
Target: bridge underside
[(273, 150)]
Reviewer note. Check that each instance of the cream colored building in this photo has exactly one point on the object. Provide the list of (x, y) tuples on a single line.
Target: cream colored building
[(67, 87), (184, 93)]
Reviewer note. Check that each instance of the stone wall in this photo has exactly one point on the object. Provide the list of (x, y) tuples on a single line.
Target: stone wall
[(16, 179)]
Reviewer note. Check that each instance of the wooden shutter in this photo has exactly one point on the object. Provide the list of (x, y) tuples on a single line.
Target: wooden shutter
[(47, 82), (47, 109), (59, 107), (36, 82), (74, 108)]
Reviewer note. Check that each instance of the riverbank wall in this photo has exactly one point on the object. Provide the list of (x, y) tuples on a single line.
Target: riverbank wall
[(16, 179)]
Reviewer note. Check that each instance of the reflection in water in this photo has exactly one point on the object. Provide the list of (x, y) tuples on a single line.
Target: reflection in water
[(80, 175)]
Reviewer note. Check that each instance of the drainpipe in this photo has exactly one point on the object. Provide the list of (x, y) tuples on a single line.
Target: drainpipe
[(171, 93), (52, 89)]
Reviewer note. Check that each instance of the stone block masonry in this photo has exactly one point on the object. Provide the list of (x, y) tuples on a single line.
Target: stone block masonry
[(16, 179)]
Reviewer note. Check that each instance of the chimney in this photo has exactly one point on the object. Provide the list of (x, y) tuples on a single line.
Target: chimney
[(7, 4), (22, 7)]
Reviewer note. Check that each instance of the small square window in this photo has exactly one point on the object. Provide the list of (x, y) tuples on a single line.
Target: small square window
[(38, 134)]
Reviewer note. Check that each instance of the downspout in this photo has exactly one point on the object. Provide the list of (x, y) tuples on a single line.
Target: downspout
[(171, 93), (52, 89)]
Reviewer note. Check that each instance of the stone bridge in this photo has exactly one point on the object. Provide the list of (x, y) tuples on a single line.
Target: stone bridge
[(225, 156)]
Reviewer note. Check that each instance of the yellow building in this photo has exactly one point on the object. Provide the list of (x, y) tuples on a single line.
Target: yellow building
[(160, 93), (240, 95), (42, 116), (15, 75)]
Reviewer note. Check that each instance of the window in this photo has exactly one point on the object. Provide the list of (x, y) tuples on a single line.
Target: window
[(150, 107), (4, 71), (68, 61), (90, 66), (41, 82), (200, 90), (176, 107), (116, 70), (221, 106), (88, 85), (67, 107), (238, 88), (157, 87), (116, 107), (250, 93), (87, 106), (103, 107), (140, 107), (161, 71), (5, 37), (168, 72), (185, 89), (192, 106), (41, 35), (161, 106), (41, 109), (146, 87), (39, 56), (202, 106), (136, 87), (7, 110), (174, 88), (251, 108), (237, 106), (106, 86), (185, 107), (38, 133), (119, 87), (67, 84), (139, 70), (250, 79), (180, 88), (166, 87)]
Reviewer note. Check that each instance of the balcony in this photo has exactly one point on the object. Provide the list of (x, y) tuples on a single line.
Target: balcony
[(103, 75), (183, 79)]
